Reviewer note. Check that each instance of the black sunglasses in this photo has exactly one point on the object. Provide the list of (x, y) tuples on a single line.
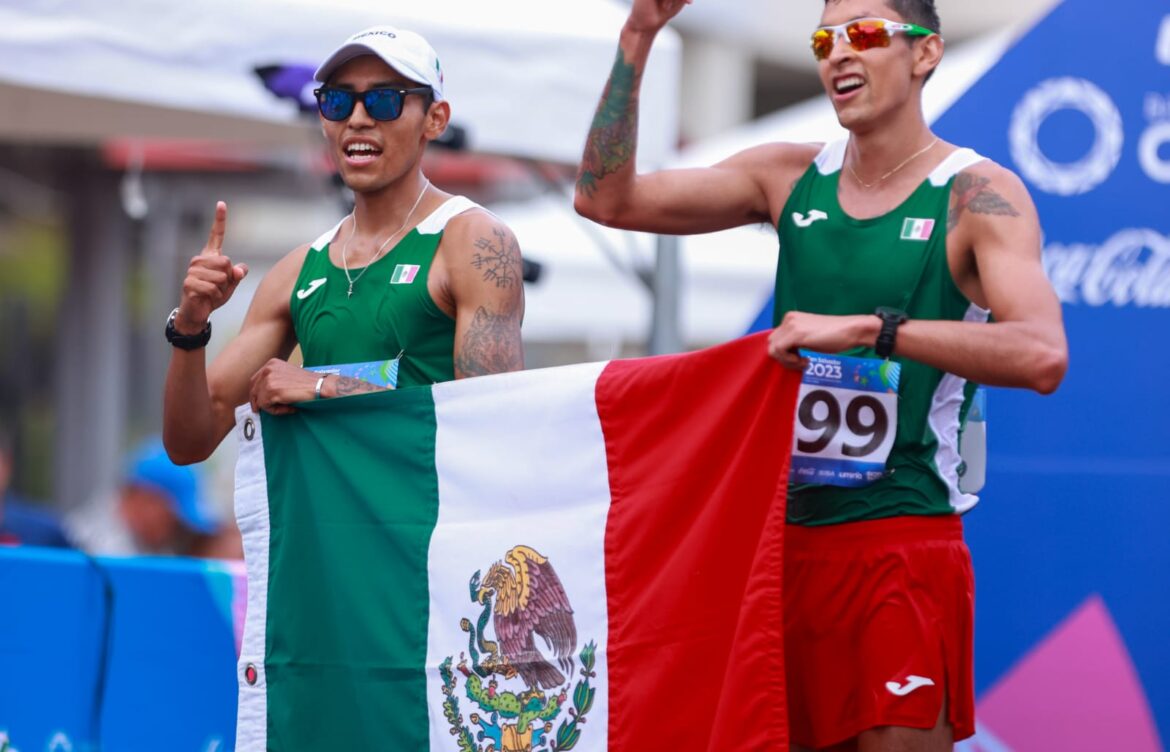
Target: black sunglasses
[(381, 104)]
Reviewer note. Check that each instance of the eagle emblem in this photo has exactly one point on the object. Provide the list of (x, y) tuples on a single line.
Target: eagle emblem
[(518, 689)]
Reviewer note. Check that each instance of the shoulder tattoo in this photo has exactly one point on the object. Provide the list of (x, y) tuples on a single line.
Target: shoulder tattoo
[(972, 193), (498, 257)]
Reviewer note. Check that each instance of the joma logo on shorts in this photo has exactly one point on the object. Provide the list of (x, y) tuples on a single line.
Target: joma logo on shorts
[(913, 682)]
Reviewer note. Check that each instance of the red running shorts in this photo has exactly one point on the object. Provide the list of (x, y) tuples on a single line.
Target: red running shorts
[(878, 627)]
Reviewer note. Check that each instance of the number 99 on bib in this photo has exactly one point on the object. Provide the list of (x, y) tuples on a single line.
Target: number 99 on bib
[(846, 420)]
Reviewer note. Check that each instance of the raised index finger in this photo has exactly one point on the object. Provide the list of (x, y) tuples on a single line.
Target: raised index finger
[(215, 238)]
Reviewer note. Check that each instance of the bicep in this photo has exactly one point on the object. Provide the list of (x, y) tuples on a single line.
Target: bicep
[(266, 333), (697, 200), (485, 273), (688, 201), (1006, 240), (229, 377)]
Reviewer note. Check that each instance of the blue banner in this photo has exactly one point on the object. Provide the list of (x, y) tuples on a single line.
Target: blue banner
[(1069, 544)]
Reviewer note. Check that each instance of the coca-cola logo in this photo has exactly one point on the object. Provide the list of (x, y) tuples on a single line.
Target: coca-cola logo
[(1130, 268)]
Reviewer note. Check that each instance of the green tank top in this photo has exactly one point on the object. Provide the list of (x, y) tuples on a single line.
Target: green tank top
[(831, 263), (390, 311)]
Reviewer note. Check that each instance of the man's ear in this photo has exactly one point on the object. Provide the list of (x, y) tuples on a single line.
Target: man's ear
[(438, 115), (928, 54)]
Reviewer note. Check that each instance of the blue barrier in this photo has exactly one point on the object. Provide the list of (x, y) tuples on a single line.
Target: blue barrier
[(118, 654)]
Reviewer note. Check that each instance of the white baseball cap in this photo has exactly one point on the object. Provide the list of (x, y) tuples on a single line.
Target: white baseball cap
[(404, 51)]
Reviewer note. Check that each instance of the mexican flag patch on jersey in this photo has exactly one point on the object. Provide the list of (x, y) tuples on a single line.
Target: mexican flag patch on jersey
[(917, 229)]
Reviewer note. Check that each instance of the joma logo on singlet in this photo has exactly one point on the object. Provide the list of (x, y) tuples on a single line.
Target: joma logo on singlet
[(802, 221), (312, 288)]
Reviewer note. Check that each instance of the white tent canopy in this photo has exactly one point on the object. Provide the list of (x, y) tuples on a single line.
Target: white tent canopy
[(523, 76)]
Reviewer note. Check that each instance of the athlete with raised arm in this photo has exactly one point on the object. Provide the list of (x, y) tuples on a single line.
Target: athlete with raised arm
[(909, 271), (414, 277)]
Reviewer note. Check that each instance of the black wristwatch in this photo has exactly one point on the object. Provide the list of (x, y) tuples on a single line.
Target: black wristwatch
[(186, 341), (891, 318)]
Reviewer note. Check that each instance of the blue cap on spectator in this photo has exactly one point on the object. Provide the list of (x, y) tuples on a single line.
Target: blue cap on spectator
[(150, 467)]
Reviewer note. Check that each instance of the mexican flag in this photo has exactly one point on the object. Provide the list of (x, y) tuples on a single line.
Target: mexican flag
[(575, 558)]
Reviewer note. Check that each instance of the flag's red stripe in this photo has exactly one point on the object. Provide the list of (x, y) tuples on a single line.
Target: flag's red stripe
[(698, 448)]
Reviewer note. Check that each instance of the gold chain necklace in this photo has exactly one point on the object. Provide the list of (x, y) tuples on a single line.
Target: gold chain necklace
[(378, 253), (904, 162)]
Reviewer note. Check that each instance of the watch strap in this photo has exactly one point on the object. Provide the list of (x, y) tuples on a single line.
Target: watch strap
[(887, 337), (186, 341)]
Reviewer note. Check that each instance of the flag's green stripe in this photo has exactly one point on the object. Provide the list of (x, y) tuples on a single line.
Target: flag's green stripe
[(346, 638)]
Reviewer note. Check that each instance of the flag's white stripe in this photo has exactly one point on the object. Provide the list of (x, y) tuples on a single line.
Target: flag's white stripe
[(252, 518), (557, 507)]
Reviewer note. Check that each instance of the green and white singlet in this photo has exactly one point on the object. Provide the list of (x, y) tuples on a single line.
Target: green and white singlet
[(831, 263), (390, 312)]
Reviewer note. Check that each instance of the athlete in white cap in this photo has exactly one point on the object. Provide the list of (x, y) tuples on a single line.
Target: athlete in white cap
[(414, 287)]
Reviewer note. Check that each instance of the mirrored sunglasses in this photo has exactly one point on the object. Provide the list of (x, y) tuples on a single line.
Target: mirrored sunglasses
[(862, 34), (381, 103)]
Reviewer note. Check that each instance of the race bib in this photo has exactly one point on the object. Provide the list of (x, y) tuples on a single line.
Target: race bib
[(846, 419), (383, 373)]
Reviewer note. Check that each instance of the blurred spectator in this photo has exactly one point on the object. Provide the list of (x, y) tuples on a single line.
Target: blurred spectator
[(158, 508), (22, 522)]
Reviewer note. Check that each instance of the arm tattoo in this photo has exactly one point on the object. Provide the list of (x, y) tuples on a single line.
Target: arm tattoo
[(614, 133), (499, 260), (347, 385), (971, 192), (491, 345)]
